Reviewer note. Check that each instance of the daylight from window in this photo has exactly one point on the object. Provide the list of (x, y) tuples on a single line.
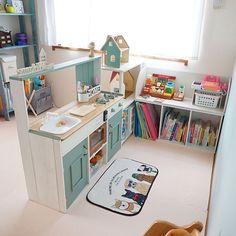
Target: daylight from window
[(151, 27)]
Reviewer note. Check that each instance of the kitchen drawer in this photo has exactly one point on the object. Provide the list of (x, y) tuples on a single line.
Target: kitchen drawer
[(69, 143), (111, 111)]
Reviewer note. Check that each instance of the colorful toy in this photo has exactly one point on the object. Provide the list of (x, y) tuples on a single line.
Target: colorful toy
[(116, 51), (159, 85), (211, 83), (9, 8), (179, 96), (196, 85), (21, 39)]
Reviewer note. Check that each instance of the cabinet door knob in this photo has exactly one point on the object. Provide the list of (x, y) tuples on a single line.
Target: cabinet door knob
[(120, 104), (113, 110)]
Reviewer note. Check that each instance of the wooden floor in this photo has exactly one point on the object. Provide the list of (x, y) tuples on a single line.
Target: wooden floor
[(179, 194)]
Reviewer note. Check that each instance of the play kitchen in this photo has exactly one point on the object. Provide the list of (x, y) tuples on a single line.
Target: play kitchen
[(66, 147)]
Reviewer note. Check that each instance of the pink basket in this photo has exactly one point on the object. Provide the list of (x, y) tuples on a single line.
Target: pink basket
[(211, 83)]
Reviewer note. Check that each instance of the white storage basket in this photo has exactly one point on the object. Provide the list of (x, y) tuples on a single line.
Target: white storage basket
[(207, 99)]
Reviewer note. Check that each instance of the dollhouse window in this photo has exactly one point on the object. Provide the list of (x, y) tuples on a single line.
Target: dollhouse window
[(120, 41), (113, 58), (110, 44)]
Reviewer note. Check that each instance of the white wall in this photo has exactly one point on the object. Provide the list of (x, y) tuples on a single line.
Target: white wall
[(218, 50), (222, 211)]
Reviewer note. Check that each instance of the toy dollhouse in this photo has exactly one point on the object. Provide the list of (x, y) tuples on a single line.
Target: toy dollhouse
[(116, 51)]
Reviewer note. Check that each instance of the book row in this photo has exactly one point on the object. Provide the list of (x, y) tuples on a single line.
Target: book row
[(174, 126), (145, 121)]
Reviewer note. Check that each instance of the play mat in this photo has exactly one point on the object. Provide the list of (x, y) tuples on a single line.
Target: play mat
[(124, 186)]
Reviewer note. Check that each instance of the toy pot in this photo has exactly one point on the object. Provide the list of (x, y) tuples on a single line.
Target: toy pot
[(9, 8)]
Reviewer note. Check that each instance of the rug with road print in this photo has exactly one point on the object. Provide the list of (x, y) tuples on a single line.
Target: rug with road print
[(124, 186)]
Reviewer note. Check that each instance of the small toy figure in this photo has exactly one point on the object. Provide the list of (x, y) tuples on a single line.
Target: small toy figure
[(179, 96), (127, 206), (92, 48), (2, 10), (137, 197)]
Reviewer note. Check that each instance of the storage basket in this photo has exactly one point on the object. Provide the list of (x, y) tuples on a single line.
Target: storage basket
[(42, 100), (207, 99)]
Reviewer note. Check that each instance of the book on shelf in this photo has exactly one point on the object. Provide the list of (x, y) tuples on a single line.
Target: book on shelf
[(202, 133), (145, 121), (174, 126)]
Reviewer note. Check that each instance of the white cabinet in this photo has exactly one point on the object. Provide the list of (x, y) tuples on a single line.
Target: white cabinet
[(195, 120)]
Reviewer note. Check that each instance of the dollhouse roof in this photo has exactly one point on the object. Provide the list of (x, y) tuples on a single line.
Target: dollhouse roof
[(110, 38), (115, 40), (123, 43)]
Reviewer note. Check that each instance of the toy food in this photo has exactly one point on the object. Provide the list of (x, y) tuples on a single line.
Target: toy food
[(159, 86), (60, 123)]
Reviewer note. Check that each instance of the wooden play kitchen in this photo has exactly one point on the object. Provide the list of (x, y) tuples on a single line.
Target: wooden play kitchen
[(63, 149), (58, 164)]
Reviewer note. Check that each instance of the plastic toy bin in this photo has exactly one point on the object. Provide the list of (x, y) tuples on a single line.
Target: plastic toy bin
[(42, 100), (207, 99)]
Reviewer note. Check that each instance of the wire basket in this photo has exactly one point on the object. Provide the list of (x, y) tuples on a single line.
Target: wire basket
[(207, 99)]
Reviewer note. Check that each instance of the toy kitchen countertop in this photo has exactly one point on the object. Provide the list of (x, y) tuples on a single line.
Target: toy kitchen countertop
[(66, 110)]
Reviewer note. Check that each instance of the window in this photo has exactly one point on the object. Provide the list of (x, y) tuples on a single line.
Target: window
[(113, 58), (151, 27)]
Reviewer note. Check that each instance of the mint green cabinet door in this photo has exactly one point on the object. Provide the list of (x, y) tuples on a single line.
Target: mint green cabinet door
[(75, 165), (114, 134)]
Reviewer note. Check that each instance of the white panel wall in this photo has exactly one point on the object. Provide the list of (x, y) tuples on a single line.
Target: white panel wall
[(223, 200), (218, 50)]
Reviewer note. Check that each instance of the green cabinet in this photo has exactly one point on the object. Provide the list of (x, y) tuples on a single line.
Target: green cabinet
[(114, 134), (75, 165)]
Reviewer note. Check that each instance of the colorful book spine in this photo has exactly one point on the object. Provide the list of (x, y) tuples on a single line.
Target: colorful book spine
[(149, 121)]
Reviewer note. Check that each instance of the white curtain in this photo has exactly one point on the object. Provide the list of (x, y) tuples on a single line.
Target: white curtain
[(152, 27), (46, 22)]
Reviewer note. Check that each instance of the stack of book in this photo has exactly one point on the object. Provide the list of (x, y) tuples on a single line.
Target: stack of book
[(175, 126), (202, 133), (146, 121)]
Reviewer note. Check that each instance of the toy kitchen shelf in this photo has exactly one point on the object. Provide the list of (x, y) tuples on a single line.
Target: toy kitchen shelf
[(125, 67), (193, 112), (57, 166)]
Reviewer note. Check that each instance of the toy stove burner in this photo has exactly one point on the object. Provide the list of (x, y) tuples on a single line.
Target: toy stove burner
[(106, 97)]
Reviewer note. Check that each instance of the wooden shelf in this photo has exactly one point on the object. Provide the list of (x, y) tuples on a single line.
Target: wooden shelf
[(15, 14), (94, 154), (124, 67), (56, 67), (17, 47)]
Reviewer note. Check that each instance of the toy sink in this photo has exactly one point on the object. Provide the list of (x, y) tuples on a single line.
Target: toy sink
[(59, 124)]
